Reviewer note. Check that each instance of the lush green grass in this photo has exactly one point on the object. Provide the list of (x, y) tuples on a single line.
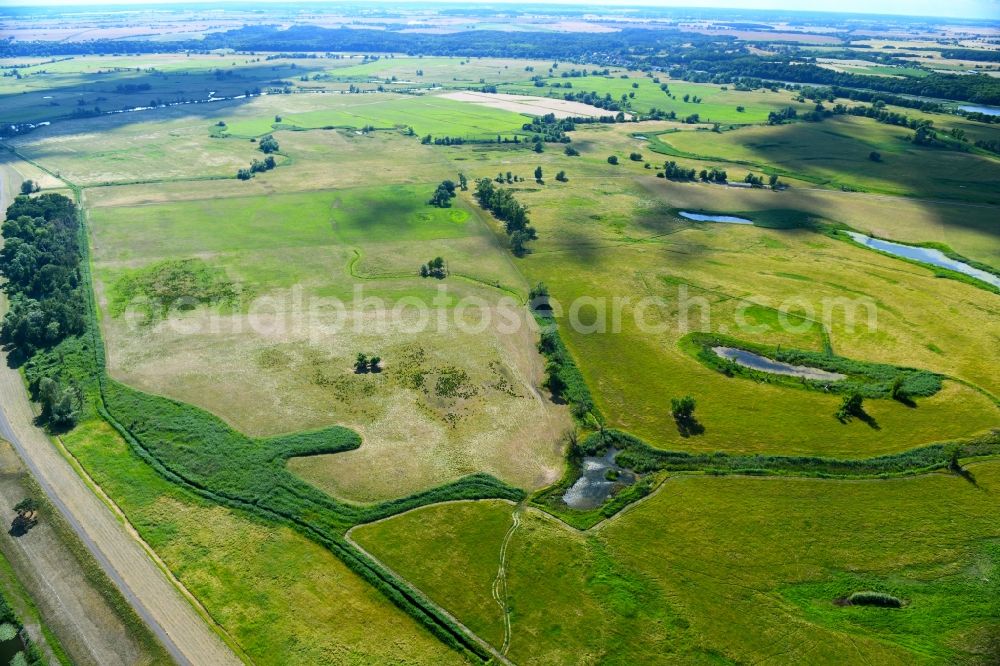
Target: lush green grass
[(725, 272), (717, 105), (834, 153), (278, 595), (732, 569), (432, 115)]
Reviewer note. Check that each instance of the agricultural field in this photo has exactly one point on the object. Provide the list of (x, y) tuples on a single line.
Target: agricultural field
[(835, 153), (693, 573), (347, 395), (717, 104)]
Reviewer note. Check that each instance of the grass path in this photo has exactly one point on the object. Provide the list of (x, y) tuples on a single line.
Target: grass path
[(500, 583)]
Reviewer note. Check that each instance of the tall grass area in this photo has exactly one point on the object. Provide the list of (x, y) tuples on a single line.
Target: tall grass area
[(729, 570), (198, 451)]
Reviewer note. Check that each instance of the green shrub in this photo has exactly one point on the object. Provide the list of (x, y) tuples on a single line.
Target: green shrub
[(866, 379)]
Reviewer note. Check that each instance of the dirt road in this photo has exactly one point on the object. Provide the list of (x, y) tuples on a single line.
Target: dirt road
[(144, 585)]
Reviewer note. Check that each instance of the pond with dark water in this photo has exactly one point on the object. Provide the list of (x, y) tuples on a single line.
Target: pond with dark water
[(757, 362)]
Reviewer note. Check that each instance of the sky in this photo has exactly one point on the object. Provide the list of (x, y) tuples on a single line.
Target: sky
[(982, 9)]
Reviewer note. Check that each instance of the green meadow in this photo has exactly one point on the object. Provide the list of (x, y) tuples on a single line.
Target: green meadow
[(726, 570), (718, 104), (436, 116), (716, 569), (835, 154)]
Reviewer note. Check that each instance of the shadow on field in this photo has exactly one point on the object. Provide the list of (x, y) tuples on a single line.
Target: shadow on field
[(71, 107)]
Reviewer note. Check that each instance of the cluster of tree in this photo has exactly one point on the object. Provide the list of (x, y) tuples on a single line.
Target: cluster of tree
[(507, 209), (779, 117), (672, 171), (550, 129), (129, 88), (758, 181), (30, 187), (980, 117), (605, 101), (363, 364), (256, 166), (443, 195), (657, 114), (878, 113), (434, 268), (269, 144), (40, 261), (694, 99), (510, 178), (61, 404), (713, 175), (736, 68), (993, 145)]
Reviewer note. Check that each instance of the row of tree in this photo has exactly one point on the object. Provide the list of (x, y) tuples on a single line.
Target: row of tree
[(256, 166), (507, 209), (40, 261)]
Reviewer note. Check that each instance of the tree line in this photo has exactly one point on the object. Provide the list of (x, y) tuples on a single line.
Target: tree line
[(507, 209), (40, 261)]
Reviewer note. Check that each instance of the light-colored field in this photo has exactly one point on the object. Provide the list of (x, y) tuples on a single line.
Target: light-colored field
[(696, 574), (536, 106), (319, 266)]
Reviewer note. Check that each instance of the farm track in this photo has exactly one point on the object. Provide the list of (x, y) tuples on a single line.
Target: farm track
[(472, 635), (500, 584), (145, 586)]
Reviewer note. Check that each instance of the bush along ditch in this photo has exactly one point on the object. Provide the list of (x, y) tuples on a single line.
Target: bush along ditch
[(868, 380), (198, 451), (640, 457)]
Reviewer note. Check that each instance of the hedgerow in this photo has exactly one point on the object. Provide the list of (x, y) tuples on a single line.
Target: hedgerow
[(563, 378), (642, 458), (869, 380)]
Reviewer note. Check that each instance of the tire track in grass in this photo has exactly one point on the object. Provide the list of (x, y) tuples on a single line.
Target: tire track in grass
[(500, 582)]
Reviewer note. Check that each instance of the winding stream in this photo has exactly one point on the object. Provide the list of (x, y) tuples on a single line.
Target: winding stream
[(925, 255)]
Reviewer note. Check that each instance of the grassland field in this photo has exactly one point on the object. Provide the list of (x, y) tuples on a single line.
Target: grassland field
[(695, 573), (692, 571)]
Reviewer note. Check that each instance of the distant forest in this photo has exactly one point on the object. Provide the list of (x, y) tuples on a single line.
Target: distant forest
[(695, 57)]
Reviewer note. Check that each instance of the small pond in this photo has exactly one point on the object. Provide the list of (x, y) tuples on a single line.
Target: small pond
[(764, 364), (986, 110), (594, 485), (926, 255), (728, 219)]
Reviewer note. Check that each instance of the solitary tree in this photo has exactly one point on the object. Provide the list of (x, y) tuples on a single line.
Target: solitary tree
[(30, 187), (374, 364), (875, 156), (361, 364), (561, 177), (612, 159), (538, 174)]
